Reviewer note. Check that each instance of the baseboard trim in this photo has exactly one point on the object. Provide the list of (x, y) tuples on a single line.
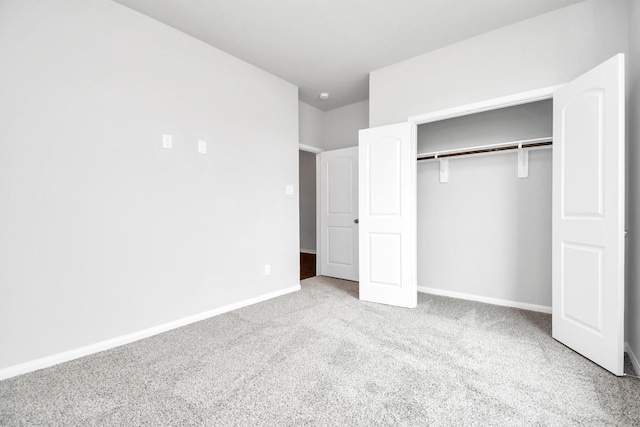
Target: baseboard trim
[(77, 353), (632, 357), (308, 251), (488, 300)]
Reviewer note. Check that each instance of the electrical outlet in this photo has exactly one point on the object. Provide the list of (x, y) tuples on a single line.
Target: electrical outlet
[(267, 269)]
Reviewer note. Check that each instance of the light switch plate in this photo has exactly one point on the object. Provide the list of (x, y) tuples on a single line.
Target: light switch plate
[(267, 269), (202, 147), (167, 142), (288, 190)]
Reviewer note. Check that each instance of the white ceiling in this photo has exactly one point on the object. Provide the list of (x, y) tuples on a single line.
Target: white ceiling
[(332, 45)]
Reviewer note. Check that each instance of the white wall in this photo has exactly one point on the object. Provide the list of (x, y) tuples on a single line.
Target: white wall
[(312, 133), (312, 125), (342, 125), (307, 177), (533, 120), (633, 187), (333, 129), (543, 51), (105, 233), (487, 232)]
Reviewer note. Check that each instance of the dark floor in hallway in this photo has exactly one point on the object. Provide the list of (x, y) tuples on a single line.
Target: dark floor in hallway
[(307, 265)]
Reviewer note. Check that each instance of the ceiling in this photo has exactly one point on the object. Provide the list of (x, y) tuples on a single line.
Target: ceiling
[(332, 45)]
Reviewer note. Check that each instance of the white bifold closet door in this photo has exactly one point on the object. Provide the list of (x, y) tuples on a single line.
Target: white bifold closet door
[(588, 215), (388, 256)]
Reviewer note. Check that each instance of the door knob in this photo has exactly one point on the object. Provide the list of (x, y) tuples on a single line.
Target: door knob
[(356, 221)]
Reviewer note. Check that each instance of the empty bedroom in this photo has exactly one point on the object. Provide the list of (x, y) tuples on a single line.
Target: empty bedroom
[(458, 181)]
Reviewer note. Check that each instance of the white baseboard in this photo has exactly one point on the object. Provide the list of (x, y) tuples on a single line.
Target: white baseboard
[(633, 358), (495, 301), (66, 356), (308, 251)]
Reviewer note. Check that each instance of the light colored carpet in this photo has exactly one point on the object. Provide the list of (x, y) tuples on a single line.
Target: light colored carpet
[(322, 357)]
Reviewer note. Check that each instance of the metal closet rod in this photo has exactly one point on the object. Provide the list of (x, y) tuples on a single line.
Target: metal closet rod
[(530, 143)]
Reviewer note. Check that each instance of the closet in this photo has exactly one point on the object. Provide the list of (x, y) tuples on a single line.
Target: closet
[(478, 230), (483, 230)]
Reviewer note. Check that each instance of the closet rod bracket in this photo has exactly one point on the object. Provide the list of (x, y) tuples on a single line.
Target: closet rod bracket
[(444, 169), (523, 162)]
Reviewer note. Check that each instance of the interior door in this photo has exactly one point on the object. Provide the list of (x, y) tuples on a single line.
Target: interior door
[(588, 215), (339, 213), (388, 259)]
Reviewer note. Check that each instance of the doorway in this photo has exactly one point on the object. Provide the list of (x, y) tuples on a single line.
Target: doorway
[(338, 254), (307, 183)]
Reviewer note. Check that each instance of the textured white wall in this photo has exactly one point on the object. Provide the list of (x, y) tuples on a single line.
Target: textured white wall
[(633, 188), (543, 51), (333, 129), (533, 120), (487, 232), (307, 174), (105, 233), (342, 125), (312, 127)]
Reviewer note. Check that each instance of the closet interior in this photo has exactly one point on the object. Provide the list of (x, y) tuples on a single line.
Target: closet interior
[(484, 206)]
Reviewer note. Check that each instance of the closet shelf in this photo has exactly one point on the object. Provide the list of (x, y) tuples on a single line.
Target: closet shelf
[(491, 148)]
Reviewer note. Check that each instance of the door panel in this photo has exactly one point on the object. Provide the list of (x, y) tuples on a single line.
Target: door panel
[(384, 176), (588, 215), (340, 176), (388, 215), (338, 242), (582, 127), (582, 283), (385, 255), (340, 245)]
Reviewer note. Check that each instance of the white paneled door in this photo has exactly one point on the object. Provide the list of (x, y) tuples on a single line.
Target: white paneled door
[(388, 260), (588, 215), (338, 241)]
